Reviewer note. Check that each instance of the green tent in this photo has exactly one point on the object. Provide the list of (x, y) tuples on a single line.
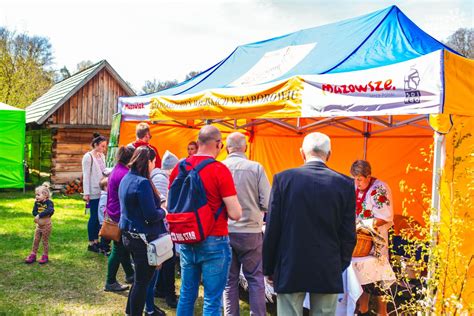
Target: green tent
[(12, 147)]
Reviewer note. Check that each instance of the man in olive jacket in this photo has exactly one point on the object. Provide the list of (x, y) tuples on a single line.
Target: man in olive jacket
[(310, 235)]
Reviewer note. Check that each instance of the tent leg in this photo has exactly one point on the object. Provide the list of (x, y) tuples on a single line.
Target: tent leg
[(366, 138), (435, 216)]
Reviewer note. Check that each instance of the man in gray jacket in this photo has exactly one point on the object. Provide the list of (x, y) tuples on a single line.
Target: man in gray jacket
[(253, 191)]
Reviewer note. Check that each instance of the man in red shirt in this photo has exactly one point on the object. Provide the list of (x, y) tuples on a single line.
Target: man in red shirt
[(143, 139), (212, 256)]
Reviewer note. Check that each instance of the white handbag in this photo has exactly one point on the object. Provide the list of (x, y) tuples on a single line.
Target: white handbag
[(158, 250)]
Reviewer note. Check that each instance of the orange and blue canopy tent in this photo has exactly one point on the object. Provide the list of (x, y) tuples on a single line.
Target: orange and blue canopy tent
[(377, 84)]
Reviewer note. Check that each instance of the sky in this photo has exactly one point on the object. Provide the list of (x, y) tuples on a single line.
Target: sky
[(148, 39)]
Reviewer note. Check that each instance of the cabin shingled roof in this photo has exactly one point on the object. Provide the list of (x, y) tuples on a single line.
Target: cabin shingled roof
[(39, 111)]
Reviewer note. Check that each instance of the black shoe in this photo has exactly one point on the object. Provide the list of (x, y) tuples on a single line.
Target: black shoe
[(93, 248), (172, 301), (157, 312), (115, 287), (129, 279), (104, 249)]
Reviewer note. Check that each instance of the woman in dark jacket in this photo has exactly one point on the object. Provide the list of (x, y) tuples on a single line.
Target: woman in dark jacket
[(141, 214)]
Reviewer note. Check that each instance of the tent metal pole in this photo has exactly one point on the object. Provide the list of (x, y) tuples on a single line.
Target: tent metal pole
[(366, 138), (368, 121), (435, 214)]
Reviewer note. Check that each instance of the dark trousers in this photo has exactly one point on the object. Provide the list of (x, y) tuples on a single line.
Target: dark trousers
[(93, 226), (165, 285), (246, 255), (142, 275), (119, 255)]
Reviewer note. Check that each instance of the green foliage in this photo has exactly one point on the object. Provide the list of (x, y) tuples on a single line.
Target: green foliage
[(25, 72), (436, 286), (63, 74)]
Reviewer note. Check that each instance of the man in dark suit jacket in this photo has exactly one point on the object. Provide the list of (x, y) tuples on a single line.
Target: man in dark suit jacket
[(310, 235)]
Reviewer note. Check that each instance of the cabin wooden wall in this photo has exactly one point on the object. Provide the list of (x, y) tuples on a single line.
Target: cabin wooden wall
[(57, 149), (94, 104), (69, 146)]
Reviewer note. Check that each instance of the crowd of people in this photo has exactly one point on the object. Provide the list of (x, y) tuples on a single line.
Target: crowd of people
[(297, 234)]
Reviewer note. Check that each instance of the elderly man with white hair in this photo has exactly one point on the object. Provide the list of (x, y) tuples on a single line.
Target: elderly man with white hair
[(246, 239), (310, 235)]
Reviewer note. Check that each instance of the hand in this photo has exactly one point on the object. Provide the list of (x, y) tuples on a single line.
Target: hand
[(270, 280), (36, 219), (86, 197)]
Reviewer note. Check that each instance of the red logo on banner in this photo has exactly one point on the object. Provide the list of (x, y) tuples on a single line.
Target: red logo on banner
[(134, 106), (371, 86)]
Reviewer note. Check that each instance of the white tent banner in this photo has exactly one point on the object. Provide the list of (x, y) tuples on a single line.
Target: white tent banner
[(410, 87), (134, 108)]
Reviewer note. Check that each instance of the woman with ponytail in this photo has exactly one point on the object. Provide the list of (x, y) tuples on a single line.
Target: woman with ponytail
[(93, 164)]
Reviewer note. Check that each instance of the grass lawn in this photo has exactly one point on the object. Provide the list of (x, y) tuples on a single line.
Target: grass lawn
[(73, 281)]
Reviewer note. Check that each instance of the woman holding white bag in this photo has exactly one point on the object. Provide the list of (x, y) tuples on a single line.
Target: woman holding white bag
[(141, 215)]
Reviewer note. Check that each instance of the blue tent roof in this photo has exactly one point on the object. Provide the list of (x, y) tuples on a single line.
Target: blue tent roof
[(377, 39)]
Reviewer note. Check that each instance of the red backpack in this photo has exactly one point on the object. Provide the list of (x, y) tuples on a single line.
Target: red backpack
[(190, 217)]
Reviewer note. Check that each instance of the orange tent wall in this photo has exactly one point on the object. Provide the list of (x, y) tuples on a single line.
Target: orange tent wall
[(459, 86), (277, 149)]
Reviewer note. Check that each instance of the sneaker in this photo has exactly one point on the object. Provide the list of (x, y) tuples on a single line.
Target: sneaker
[(172, 301), (129, 279), (156, 312), (103, 249), (93, 248), (30, 259), (115, 287), (44, 259)]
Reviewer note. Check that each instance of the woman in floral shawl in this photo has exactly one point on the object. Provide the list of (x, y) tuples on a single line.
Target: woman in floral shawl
[(374, 208)]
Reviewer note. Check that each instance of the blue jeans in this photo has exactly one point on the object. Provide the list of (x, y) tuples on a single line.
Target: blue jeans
[(211, 258), (150, 293), (93, 226)]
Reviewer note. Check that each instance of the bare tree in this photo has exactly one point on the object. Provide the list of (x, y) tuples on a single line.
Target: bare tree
[(462, 41), (83, 65), (152, 86), (192, 74)]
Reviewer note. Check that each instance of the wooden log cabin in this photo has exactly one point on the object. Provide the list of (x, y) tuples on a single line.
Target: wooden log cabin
[(61, 123)]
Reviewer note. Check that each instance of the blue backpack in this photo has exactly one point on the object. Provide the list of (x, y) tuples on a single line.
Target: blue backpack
[(190, 217)]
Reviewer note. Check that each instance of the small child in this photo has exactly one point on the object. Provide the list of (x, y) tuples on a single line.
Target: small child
[(103, 199), (104, 244), (42, 211)]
